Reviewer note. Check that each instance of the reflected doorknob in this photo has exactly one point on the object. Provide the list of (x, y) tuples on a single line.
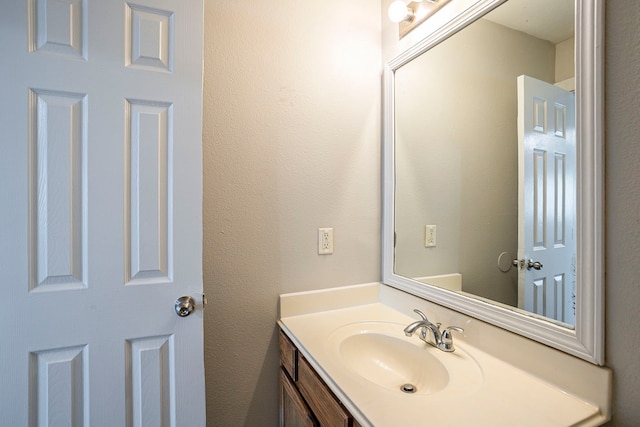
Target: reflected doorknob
[(185, 306), (534, 264)]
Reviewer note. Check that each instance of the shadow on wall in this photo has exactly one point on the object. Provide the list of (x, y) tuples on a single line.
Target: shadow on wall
[(264, 397)]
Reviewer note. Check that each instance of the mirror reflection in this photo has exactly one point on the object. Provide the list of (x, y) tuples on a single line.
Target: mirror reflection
[(485, 160)]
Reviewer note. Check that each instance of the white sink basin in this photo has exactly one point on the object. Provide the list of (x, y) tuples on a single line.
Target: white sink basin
[(393, 363), (380, 353)]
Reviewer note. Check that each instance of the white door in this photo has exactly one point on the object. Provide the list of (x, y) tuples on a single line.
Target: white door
[(546, 186), (100, 216)]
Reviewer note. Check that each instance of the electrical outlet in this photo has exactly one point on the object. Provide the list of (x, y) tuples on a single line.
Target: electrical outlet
[(325, 241), (429, 236)]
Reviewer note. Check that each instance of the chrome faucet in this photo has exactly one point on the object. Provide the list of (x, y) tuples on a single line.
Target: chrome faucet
[(441, 340)]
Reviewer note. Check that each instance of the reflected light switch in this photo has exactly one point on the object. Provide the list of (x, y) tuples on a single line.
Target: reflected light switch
[(429, 236)]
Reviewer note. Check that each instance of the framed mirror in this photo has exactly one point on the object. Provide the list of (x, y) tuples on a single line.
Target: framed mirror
[(493, 169)]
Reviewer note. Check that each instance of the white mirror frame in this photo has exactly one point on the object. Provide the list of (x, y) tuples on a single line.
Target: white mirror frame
[(587, 339)]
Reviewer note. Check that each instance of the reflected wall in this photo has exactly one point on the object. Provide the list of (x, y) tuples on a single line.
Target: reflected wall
[(456, 154)]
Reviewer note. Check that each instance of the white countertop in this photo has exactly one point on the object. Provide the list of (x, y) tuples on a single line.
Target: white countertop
[(506, 396)]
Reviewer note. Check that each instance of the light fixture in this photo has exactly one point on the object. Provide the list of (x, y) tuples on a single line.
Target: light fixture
[(409, 16), (398, 12)]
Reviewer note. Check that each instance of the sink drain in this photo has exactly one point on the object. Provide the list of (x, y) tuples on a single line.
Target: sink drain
[(408, 388)]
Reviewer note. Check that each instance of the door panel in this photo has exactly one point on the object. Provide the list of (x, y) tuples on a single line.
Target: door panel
[(57, 176), (546, 131), (148, 168), (100, 222)]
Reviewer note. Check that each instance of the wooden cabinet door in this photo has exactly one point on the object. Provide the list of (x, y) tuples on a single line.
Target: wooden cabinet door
[(294, 412), (320, 399)]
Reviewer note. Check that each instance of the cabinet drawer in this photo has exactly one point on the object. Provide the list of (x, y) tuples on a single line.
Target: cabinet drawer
[(288, 356), (322, 402)]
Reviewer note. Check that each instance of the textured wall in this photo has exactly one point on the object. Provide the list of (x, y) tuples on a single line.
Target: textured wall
[(291, 143), (622, 186)]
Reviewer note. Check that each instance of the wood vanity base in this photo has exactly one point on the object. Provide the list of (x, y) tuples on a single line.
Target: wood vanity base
[(305, 400)]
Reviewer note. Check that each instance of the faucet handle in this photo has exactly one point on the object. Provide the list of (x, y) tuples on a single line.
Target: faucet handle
[(423, 329), (446, 340)]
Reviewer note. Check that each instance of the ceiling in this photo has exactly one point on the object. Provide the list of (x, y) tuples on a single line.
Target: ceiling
[(551, 20)]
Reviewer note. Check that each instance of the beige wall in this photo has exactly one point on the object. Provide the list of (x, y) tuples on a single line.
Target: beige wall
[(291, 143), (565, 64), (622, 184)]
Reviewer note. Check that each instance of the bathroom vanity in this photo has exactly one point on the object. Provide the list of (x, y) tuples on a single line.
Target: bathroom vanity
[(345, 359), (305, 400)]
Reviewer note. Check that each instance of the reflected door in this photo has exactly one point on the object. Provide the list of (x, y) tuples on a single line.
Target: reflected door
[(546, 215), (101, 213)]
